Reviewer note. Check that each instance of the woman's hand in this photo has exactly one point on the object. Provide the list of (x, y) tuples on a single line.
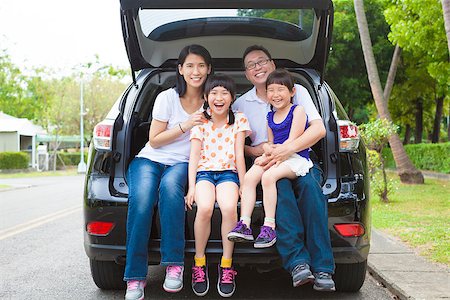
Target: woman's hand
[(189, 199), (196, 118)]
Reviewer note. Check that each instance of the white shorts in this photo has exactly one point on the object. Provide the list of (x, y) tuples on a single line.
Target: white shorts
[(298, 164)]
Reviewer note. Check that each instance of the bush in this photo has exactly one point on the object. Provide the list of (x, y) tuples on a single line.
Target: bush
[(70, 158), (13, 160), (432, 157)]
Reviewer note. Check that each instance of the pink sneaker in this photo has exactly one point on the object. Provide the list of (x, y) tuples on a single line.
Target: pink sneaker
[(174, 279), (135, 289)]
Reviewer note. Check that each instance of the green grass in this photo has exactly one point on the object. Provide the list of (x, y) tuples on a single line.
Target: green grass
[(67, 172), (4, 186), (419, 215)]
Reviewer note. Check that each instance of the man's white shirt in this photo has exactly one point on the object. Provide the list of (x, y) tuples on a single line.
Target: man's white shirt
[(256, 111)]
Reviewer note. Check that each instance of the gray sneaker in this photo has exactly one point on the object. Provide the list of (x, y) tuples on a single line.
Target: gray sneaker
[(135, 290), (174, 279), (323, 282), (301, 274)]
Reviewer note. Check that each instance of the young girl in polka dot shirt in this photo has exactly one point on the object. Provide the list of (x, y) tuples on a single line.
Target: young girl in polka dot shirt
[(216, 166)]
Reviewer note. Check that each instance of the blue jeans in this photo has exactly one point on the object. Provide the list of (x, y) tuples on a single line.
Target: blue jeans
[(302, 223), (150, 184), (217, 177)]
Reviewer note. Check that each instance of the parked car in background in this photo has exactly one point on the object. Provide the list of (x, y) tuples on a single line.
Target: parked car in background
[(154, 32)]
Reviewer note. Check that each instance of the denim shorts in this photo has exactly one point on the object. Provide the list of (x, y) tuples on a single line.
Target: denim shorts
[(217, 177)]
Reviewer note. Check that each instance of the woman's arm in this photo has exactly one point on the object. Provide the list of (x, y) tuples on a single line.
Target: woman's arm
[(240, 159), (194, 158), (160, 136)]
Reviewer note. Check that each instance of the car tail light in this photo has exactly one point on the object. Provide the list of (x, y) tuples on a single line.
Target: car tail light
[(350, 229), (99, 228), (103, 134), (348, 136)]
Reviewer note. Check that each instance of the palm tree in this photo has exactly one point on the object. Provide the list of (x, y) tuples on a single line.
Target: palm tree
[(406, 170), (446, 9)]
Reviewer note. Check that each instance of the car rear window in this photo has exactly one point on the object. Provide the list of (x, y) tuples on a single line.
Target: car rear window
[(172, 24)]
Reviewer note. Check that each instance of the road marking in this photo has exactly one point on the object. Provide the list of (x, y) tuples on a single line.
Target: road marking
[(37, 222)]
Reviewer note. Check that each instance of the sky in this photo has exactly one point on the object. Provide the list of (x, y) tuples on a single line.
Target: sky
[(61, 34)]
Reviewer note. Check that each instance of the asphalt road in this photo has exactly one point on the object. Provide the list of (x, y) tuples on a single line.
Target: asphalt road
[(42, 254)]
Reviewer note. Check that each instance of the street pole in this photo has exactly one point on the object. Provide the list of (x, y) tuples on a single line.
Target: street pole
[(82, 164)]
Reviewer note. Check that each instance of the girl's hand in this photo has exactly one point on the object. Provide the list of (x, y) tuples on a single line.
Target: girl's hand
[(261, 160), (196, 118), (279, 154), (189, 199), (268, 148)]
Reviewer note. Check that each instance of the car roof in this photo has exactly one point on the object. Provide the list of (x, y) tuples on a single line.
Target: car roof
[(225, 37)]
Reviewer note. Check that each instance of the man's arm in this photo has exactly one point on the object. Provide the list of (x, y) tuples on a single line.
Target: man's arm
[(254, 151), (314, 133)]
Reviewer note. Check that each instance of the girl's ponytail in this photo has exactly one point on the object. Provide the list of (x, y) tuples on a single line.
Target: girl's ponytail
[(205, 113), (230, 116)]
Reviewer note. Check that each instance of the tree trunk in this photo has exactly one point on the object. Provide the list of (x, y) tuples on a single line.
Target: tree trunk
[(419, 122), (407, 134), (406, 170), (392, 72), (446, 10), (437, 120)]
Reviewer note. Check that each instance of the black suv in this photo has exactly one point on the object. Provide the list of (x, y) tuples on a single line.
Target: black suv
[(154, 32)]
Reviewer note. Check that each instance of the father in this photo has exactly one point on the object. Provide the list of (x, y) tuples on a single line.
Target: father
[(302, 223)]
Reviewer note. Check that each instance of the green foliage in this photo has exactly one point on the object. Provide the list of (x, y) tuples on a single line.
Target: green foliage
[(432, 157), (376, 133), (54, 103), (70, 158), (13, 160), (418, 28), (373, 161), (346, 71)]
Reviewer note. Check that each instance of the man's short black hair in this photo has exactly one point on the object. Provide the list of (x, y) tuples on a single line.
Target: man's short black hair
[(255, 48)]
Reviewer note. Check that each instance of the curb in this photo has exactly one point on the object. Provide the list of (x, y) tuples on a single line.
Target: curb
[(389, 284)]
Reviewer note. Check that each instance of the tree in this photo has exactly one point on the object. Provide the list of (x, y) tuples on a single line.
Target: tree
[(376, 135), (418, 27), (446, 10), (346, 71), (406, 170)]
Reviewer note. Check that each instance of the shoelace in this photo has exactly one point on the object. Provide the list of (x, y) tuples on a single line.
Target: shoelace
[(198, 274), (300, 268), (323, 275), (134, 284), (240, 226), (265, 231), (174, 271), (228, 275)]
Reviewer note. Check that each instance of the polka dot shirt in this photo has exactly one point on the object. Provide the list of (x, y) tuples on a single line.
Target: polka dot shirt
[(217, 152)]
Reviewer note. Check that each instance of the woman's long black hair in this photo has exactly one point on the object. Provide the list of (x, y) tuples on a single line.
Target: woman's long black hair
[(226, 82), (181, 86)]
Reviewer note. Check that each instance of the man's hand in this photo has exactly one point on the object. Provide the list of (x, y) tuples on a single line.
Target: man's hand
[(254, 151), (279, 153)]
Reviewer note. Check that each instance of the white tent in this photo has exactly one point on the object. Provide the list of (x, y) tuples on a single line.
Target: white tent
[(19, 134)]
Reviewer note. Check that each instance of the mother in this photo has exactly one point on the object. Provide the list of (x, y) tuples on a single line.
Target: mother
[(158, 175)]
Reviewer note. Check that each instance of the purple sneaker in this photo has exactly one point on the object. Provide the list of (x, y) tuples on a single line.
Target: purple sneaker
[(266, 238), (240, 233)]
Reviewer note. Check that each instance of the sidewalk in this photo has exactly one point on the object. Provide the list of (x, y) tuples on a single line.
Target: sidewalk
[(404, 273)]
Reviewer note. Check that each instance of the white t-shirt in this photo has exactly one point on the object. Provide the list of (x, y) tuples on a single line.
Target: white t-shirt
[(256, 111), (167, 108)]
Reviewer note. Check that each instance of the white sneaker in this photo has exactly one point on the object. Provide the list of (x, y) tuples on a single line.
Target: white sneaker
[(174, 279), (135, 290)]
